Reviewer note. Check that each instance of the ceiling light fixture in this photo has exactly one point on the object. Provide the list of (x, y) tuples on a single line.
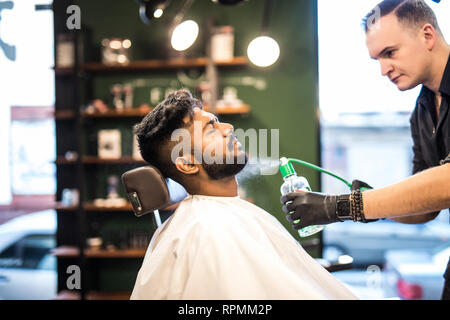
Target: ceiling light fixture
[(149, 9), (184, 33), (264, 51)]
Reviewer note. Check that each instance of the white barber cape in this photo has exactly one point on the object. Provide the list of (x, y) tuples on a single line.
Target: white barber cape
[(222, 248)]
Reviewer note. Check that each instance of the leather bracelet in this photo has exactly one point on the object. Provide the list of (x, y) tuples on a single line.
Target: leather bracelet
[(350, 207)]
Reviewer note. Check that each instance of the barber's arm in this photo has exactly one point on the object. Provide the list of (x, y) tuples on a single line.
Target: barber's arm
[(418, 166), (424, 192)]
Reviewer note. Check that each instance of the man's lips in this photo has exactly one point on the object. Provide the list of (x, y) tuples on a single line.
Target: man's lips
[(231, 142), (394, 80)]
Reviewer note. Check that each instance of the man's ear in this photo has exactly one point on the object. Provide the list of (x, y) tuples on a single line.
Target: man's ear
[(429, 36), (185, 164)]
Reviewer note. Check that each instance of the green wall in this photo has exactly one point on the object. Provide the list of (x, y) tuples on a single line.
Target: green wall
[(289, 101)]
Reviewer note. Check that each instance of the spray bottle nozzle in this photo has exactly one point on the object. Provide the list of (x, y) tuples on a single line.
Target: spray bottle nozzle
[(287, 169)]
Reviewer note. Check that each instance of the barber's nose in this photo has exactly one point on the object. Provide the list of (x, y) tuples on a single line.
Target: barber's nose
[(386, 68)]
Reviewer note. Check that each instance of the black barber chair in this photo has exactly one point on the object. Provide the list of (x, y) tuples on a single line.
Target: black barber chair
[(149, 192)]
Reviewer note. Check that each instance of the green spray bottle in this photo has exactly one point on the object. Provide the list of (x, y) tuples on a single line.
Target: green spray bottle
[(294, 183)]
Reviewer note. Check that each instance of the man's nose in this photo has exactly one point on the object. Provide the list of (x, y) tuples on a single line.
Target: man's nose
[(386, 68), (226, 128)]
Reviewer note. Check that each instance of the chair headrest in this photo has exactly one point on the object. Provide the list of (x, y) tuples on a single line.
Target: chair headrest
[(148, 190)]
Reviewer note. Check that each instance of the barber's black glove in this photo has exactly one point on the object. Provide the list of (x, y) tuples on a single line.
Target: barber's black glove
[(311, 208), (356, 184)]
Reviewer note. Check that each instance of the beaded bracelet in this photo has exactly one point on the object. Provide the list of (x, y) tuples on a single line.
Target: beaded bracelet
[(357, 208)]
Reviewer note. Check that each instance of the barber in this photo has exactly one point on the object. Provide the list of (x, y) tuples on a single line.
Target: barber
[(405, 38)]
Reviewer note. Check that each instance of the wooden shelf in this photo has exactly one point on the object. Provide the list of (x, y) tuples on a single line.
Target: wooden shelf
[(89, 206), (61, 207), (93, 295), (112, 113), (96, 160), (144, 65), (136, 112), (243, 109), (122, 160), (74, 252), (63, 160), (64, 114), (63, 71)]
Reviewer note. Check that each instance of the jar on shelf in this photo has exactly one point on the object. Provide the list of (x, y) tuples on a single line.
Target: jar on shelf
[(222, 43), (116, 51)]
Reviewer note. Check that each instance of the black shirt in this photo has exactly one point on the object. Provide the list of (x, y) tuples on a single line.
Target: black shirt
[(431, 137), (447, 160)]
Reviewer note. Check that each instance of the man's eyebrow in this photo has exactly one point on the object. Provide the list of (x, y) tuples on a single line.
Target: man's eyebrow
[(384, 51), (211, 121)]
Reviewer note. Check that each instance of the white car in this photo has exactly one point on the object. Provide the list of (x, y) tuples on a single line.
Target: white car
[(416, 274), (27, 268), (368, 243)]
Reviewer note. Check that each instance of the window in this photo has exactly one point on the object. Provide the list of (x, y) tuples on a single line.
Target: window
[(26, 79), (32, 154), (9, 258), (30, 252)]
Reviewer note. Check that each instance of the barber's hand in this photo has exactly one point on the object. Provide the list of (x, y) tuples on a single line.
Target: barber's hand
[(357, 184), (310, 207)]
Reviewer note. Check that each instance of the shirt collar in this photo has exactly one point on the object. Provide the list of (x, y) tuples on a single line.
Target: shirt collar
[(445, 83), (427, 96)]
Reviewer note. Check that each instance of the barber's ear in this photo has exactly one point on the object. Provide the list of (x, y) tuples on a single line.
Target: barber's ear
[(185, 164), (430, 35)]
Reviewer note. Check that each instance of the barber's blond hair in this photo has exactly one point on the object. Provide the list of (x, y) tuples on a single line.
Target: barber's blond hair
[(414, 13)]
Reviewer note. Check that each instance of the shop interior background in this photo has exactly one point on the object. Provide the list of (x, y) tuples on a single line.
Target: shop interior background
[(354, 101)]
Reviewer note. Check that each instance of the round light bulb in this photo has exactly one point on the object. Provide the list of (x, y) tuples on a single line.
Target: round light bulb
[(115, 44), (184, 35), (158, 13), (121, 58), (263, 51), (126, 43)]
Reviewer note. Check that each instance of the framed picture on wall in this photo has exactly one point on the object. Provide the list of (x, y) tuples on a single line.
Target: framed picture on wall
[(109, 144)]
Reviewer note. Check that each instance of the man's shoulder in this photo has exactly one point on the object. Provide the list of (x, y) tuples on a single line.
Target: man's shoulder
[(216, 216)]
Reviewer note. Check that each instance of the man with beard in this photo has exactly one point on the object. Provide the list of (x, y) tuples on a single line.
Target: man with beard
[(216, 245)]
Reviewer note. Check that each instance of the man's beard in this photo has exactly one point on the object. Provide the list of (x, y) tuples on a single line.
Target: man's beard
[(217, 171)]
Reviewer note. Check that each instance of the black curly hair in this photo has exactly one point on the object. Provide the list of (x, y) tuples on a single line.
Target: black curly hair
[(154, 131), (412, 12)]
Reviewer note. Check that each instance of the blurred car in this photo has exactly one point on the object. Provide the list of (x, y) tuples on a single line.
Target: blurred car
[(27, 268), (413, 274), (367, 243)]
